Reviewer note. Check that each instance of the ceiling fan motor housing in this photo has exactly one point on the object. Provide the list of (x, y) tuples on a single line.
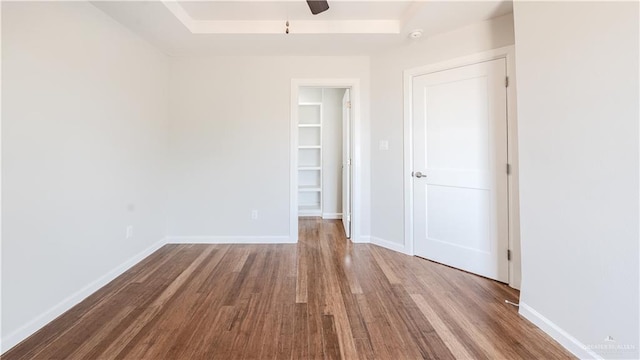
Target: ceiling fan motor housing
[(318, 6)]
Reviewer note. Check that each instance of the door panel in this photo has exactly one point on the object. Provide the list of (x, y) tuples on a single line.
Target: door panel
[(460, 143), (459, 217)]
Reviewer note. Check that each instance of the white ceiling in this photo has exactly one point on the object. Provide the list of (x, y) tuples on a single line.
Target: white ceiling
[(239, 27)]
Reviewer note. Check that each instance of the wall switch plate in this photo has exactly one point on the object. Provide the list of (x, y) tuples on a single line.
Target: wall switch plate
[(129, 231), (384, 145), (254, 214)]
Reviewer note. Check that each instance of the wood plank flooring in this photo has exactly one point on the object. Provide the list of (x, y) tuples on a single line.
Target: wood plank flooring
[(323, 298)]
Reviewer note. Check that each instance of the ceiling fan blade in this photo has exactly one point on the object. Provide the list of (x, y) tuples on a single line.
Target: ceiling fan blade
[(318, 6)]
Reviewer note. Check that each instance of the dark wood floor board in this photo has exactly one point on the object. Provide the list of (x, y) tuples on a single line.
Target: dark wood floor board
[(494, 322), (473, 307), (226, 263), (464, 323), (192, 306), (389, 308), (215, 333), (330, 341), (112, 295), (257, 319), (192, 341), (270, 341), (472, 340), (484, 294), (378, 307), (301, 276), (286, 334), (130, 343), (244, 328), (315, 304), (333, 295), (385, 342), (233, 295), (85, 349), (323, 298), (456, 345), (186, 305), (350, 313), (364, 349), (157, 261), (424, 335), (301, 331), (256, 277)]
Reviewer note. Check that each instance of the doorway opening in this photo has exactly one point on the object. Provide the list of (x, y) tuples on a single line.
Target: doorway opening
[(322, 156)]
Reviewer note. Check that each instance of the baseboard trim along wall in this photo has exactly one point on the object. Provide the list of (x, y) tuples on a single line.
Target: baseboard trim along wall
[(230, 240), (389, 245), (364, 239), (332, 216), (46, 317), (558, 334)]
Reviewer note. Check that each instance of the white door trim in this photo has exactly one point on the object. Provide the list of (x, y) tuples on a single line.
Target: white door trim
[(356, 167), (508, 53)]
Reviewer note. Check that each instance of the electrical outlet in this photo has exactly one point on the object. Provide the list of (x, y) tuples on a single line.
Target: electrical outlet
[(254, 214), (129, 231), (384, 145)]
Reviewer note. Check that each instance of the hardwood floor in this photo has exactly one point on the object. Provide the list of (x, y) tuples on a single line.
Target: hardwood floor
[(321, 298)]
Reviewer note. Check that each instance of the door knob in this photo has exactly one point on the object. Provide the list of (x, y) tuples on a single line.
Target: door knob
[(418, 174)]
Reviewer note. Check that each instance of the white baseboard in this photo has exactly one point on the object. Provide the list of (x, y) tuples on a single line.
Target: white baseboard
[(43, 319), (332, 216), (364, 239), (389, 245), (230, 240), (562, 337)]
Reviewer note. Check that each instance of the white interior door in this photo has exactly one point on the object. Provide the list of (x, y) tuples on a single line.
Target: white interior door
[(346, 162), (460, 168)]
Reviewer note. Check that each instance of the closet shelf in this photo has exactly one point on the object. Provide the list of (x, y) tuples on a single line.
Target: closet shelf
[(313, 188)]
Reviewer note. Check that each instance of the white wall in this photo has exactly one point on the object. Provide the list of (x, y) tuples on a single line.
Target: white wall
[(332, 151), (577, 68), (387, 199), (84, 136), (229, 145)]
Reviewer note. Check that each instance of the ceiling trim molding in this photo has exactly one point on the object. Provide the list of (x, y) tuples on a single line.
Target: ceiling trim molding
[(296, 27), (278, 26)]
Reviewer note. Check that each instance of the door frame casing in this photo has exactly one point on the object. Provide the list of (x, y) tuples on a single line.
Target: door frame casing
[(346, 162), (507, 53), (356, 170)]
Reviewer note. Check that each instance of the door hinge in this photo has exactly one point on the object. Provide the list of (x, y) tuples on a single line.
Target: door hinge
[(348, 161), (508, 169), (506, 81), (508, 255), (348, 104)]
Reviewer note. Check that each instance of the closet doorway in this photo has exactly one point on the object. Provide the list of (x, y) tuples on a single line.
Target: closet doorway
[(322, 153)]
